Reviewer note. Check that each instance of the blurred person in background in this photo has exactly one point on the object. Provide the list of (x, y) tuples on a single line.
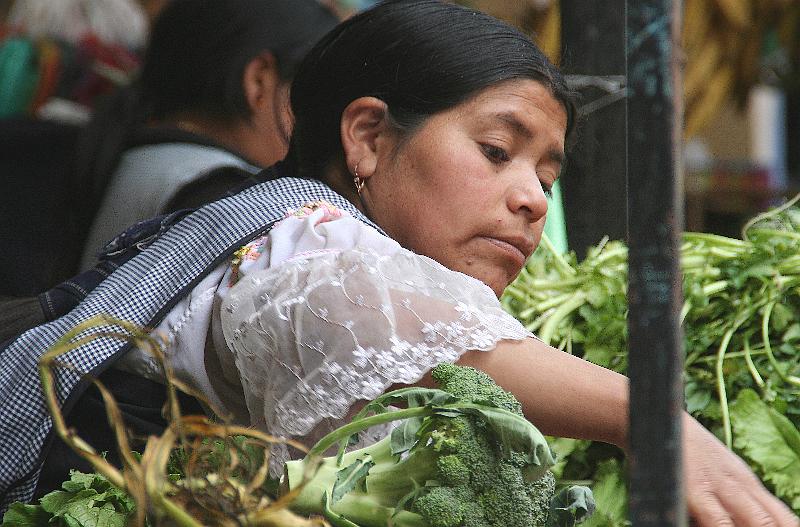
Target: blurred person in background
[(212, 94), (208, 110)]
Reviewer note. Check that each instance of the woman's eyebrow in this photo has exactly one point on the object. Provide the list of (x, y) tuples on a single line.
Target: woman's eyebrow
[(511, 121)]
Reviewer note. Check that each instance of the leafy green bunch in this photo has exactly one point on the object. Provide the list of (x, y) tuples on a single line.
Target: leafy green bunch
[(741, 325), (85, 499)]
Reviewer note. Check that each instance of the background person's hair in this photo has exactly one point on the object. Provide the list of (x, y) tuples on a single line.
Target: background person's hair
[(420, 57), (198, 50)]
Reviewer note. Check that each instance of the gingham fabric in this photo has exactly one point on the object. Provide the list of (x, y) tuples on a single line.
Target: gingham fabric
[(141, 291)]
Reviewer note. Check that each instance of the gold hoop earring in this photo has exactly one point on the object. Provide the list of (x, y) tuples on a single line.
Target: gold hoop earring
[(359, 181)]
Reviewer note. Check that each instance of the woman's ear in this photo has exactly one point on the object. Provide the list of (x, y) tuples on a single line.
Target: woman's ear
[(363, 126)]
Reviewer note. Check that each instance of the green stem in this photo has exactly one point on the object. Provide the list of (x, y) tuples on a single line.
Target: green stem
[(359, 425), (687, 306), (528, 291), (541, 283), (723, 396), (691, 261), (751, 365), (692, 357), (723, 253), (516, 293), (337, 520), (554, 302), (561, 263), (537, 322), (559, 314), (176, 513), (777, 233), (715, 287), (768, 348), (734, 355), (768, 214), (607, 255), (715, 239)]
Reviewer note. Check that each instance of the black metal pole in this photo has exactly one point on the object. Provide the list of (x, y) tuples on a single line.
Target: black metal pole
[(593, 36), (654, 294)]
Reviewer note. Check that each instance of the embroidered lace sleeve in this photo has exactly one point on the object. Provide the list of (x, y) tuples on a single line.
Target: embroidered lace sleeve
[(315, 335)]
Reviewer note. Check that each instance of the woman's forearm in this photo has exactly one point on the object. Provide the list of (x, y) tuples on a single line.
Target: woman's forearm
[(561, 394)]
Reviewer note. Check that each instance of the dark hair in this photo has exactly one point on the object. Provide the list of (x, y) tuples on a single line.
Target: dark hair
[(420, 57), (194, 64), (198, 50)]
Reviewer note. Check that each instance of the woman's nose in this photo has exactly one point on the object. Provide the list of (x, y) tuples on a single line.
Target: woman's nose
[(528, 197)]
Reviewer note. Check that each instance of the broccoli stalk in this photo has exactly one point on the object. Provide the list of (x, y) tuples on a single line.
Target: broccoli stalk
[(462, 456)]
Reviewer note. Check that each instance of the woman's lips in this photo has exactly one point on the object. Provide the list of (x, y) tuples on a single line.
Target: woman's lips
[(518, 248)]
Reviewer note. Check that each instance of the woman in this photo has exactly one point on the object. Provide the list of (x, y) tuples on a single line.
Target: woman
[(212, 93), (426, 138)]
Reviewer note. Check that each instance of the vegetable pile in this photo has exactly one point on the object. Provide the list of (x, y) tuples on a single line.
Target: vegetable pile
[(198, 472), (462, 455), (741, 324)]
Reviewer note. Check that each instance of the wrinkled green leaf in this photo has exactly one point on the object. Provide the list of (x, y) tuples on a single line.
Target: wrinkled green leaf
[(86, 500), (562, 448), (404, 436), (22, 515), (771, 441), (792, 333), (55, 501), (515, 433)]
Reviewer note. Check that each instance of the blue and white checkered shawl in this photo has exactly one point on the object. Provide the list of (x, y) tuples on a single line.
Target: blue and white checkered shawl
[(142, 291)]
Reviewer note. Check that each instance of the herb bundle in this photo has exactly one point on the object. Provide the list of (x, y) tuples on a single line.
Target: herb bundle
[(741, 325)]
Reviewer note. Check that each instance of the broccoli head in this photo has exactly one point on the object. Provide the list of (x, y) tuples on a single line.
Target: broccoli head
[(462, 456)]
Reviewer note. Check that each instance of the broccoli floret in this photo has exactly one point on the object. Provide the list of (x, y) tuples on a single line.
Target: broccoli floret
[(466, 382), (464, 456), (443, 506)]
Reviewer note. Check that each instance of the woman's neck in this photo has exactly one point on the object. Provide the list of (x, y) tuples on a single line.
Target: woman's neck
[(237, 137)]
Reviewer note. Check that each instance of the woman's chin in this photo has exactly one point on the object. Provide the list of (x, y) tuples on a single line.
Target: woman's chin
[(498, 281)]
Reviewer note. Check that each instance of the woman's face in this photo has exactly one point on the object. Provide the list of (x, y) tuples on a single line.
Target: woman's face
[(469, 187)]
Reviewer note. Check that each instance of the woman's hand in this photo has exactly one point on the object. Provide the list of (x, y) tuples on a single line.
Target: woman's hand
[(721, 490)]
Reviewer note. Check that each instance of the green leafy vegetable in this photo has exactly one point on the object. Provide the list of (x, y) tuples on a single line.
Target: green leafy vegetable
[(770, 441), (740, 319), (463, 456), (610, 495), (86, 500)]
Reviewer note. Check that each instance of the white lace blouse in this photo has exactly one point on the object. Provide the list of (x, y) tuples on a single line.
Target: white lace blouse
[(321, 313)]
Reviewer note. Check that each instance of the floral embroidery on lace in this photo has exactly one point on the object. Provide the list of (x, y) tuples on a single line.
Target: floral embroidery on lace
[(311, 338), (251, 251), (330, 211)]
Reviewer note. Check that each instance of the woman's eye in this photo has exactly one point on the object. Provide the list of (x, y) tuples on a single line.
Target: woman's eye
[(495, 154)]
